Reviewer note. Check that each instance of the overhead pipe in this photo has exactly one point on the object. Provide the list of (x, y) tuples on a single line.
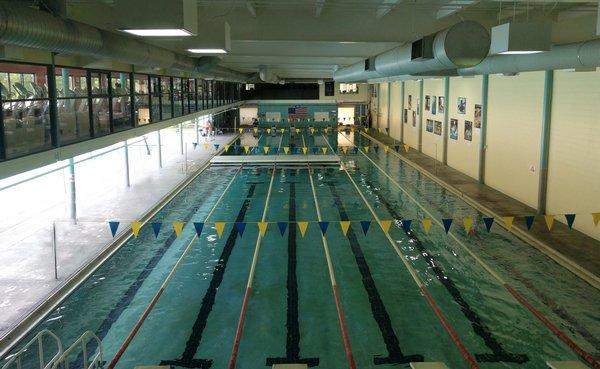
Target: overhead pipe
[(462, 45), (23, 26)]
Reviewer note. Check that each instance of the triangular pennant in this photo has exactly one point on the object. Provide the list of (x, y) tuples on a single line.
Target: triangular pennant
[(379, 129), (508, 221), (406, 223), (282, 130), (297, 130), (156, 228), (596, 218), (286, 150), (282, 227), (426, 223), (114, 225), (275, 150), (237, 149), (366, 149), (241, 227), (355, 150), (447, 224), (266, 149), (366, 129), (376, 148), (324, 149), (315, 150), (198, 226), (468, 224), (529, 221), (385, 225), (241, 130), (323, 226), (135, 227), (345, 225), (247, 149), (365, 224), (220, 226), (226, 147), (488, 223), (406, 147), (312, 131), (303, 226), (386, 148), (262, 228), (205, 146), (216, 146), (397, 148), (177, 227), (345, 149), (269, 131), (570, 219), (194, 145), (255, 130), (304, 150), (549, 221)]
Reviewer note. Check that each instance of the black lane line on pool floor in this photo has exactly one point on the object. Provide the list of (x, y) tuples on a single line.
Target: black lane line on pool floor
[(380, 314), (499, 354), (292, 345), (187, 357)]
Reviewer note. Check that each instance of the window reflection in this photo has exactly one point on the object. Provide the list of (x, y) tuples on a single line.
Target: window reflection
[(167, 98), (72, 105)]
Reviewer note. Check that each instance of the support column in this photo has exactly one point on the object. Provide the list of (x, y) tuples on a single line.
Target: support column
[(197, 132), (388, 107), (402, 112), (420, 113), (72, 192), (181, 138), (445, 124), (126, 156), (378, 103), (545, 142), (482, 138), (159, 150)]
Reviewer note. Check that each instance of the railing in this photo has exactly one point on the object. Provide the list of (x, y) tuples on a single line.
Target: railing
[(15, 361), (93, 362)]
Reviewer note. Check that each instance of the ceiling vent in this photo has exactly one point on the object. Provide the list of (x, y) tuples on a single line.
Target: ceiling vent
[(422, 49)]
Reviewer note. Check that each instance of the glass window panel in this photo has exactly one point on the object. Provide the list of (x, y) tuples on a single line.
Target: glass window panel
[(121, 112), (119, 83), (177, 101), (73, 120), (26, 127), (154, 88), (167, 98), (99, 83), (142, 101), (100, 116)]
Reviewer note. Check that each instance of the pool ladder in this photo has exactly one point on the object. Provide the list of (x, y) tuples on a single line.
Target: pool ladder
[(60, 360)]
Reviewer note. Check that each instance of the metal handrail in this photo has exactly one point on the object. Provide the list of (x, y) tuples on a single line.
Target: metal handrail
[(95, 362), (15, 359)]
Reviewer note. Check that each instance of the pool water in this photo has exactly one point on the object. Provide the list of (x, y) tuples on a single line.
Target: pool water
[(291, 314)]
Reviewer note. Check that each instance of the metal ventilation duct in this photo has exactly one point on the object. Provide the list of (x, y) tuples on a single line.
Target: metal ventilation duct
[(27, 27), (464, 44)]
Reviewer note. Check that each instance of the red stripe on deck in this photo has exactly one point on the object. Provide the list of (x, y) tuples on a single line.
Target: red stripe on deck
[(584, 355), (345, 335), (240, 329), (463, 350)]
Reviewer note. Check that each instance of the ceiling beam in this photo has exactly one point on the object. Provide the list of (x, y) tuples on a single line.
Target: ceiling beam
[(453, 7), (251, 8), (319, 7), (386, 7)]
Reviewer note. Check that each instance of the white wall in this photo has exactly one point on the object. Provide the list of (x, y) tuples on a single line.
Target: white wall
[(362, 95), (574, 166), (513, 135), (247, 113), (395, 113), (432, 144), (463, 155), (346, 112), (411, 134), (382, 113)]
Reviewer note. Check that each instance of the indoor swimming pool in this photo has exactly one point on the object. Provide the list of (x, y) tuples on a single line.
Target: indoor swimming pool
[(324, 295)]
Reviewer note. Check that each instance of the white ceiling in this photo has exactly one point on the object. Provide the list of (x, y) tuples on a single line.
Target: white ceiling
[(310, 38)]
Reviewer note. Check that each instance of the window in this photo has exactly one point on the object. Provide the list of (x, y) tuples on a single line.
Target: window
[(120, 101), (167, 98), (72, 105), (348, 88), (192, 95), (25, 108), (177, 97), (142, 99), (100, 103), (200, 92), (155, 99)]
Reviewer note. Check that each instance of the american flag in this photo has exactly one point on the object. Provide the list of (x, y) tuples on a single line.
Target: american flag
[(297, 112)]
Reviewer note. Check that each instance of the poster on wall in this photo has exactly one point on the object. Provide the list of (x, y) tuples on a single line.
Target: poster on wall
[(441, 105), (462, 105), (405, 116), (429, 126), (409, 102), (414, 119), (427, 103), (433, 107), (468, 130), (438, 128), (454, 129), (477, 117)]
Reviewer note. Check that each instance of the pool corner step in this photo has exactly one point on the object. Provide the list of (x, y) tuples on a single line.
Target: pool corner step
[(290, 366), (430, 365), (566, 365)]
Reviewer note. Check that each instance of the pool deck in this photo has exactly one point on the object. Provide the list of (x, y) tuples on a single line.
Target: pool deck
[(569, 248)]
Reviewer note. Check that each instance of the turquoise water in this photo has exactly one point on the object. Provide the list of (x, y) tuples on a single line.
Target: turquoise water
[(291, 314)]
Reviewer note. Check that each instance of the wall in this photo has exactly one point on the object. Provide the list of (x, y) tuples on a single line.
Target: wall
[(346, 114), (513, 135), (362, 95), (288, 91), (573, 166), (463, 155), (312, 108), (248, 113), (382, 113), (432, 144), (395, 113), (411, 134)]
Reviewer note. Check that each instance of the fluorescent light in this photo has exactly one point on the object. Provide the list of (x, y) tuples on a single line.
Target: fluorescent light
[(207, 51), (521, 52), (166, 32)]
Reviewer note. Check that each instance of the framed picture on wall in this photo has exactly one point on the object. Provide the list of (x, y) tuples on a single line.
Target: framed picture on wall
[(409, 102), (454, 129), (441, 104), (427, 102), (429, 127), (477, 117), (438, 128), (468, 130), (433, 107), (405, 116), (414, 118), (462, 105)]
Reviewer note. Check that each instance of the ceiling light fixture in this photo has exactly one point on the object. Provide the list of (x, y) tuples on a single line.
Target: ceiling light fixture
[(521, 38), (523, 52), (208, 51), (157, 32)]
